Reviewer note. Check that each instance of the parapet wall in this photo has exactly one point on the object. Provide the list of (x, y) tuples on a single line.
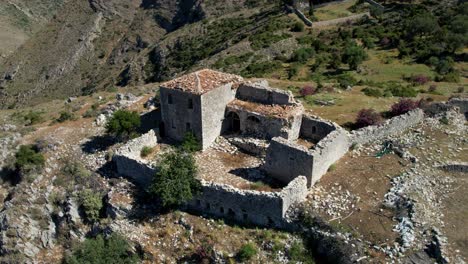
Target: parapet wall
[(261, 208), (390, 127), (260, 92), (129, 163)]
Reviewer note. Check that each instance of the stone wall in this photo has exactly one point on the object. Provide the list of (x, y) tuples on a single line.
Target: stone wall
[(315, 129), (455, 167), (286, 159), (178, 118), (390, 127), (246, 206), (461, 103), (129, 163), (267, 127), (328, 151), (260, 92), (213, 105)]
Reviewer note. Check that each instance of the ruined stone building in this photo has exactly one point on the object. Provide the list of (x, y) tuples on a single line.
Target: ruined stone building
[(268, 128)]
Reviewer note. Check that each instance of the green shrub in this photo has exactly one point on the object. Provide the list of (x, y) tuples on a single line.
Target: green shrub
[(353, 55), (402, 91), (123, 124), (91, 203), (346, 80), (246, 252), (372, 92), (77, 171), (303, 54), (190, 143), (65, 116), (298, 27), (29, 158), (146, 151), (299, 254), (99, 250), (175, 183), (32, 118), (261, 68)]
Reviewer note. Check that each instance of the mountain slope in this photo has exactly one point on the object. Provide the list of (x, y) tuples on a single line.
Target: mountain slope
[(96, 44)]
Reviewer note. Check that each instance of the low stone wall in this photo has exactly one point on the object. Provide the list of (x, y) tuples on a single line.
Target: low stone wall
[(455, 167), (314, 128), (246, 206), (129, 163), (390, 127), (260, 92)]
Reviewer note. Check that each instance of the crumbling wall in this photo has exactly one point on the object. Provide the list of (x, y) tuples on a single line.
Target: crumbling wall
[(129, 163), (247, 206), (177, 116), (213, 105), (329, 150), (461, 103), (260, 92), (390, 127), (455, 167), (267, 127), (314, 128), (286, 160)]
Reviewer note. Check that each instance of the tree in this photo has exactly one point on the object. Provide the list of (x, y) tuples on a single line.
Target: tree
[(353, 55), (99, 250), (175, 182), (422, 25), (123, 124)]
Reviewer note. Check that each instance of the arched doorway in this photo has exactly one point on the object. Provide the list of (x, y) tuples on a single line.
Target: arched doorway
[(233, 123)]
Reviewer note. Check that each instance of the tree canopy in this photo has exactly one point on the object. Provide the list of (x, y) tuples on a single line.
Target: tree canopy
[(123, 124), (175, 182)]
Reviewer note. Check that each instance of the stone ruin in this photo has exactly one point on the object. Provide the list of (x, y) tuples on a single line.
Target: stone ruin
[(292, 147)]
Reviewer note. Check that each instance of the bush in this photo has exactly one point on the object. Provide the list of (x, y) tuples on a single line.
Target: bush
[(373, 92), (367, 117), (299, 254), (346, 80), (353, 55), (246, 252), (403, 107), (91, 203), (65, 116), (175, 182), (298, 27), (145, 151), (29, 158), (460, 89), (261, 68), (99, 250), (32, 118), (432, 88), (402, 91), (190, 143), (303, 54), (307, 90), (419, 79), (123, 124)]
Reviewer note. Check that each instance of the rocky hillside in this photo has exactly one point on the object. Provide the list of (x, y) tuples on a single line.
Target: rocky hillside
[(96, 44)]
